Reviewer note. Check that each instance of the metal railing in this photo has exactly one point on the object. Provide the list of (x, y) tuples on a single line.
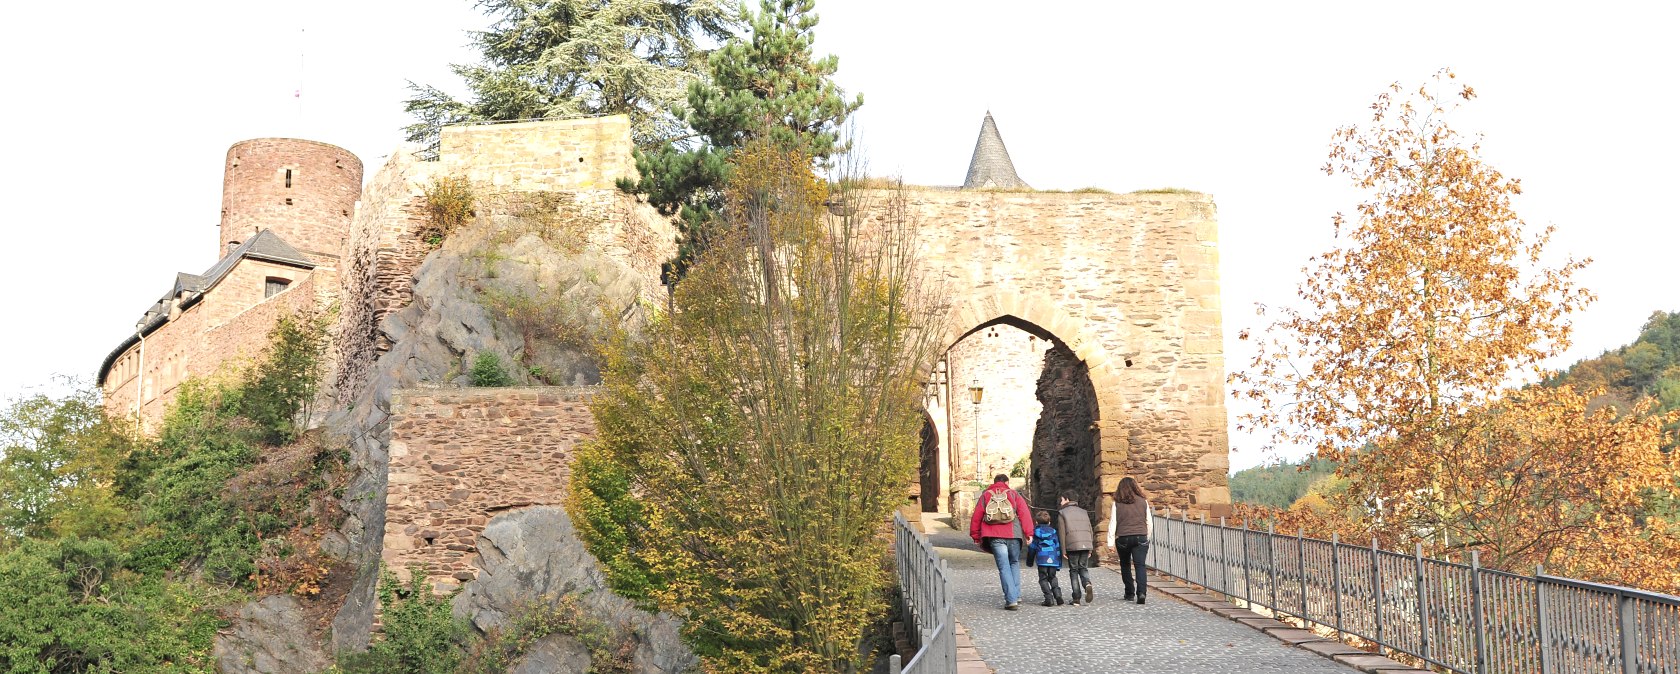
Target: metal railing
[(924, 590), (1461, 617)]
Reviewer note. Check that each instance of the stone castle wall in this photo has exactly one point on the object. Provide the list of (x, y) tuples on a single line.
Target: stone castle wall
[(219, 330), (578, 160), (460, 456), (1130, 283), (574, 154), (303, 190), (379, 263)]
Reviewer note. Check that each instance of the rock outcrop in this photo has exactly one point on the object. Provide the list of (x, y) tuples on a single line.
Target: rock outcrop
[(532, 557), (452, 318), (270, 636)]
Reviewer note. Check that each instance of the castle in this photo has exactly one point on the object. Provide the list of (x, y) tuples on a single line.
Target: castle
[(1084, 341), (287, 206)]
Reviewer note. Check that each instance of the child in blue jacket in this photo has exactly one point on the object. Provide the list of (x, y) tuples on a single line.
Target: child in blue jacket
[(1046, 554)]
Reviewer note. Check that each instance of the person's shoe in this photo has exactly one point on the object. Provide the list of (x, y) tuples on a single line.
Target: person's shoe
[(1012, 606), (1047, 602), (1090, 592), (1058, 600), (1140, 599), (1076, 602), (1128, 597)]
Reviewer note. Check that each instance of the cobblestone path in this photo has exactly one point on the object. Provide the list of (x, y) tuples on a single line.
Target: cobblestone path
[(1164, 636)]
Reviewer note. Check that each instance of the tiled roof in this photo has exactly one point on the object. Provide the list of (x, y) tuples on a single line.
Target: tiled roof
[(265, 245), (991, 166)]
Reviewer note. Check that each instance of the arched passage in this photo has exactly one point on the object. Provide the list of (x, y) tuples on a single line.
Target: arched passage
[(1052, 423), (927, 482), (1064, 457), (1128, 282)]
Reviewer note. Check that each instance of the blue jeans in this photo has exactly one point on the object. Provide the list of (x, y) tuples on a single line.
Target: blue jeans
[(1007, 552)]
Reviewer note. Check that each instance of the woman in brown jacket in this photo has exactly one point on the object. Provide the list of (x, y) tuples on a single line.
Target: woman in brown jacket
[(1129, 527)]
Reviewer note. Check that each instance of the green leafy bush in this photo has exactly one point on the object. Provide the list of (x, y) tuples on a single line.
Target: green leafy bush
[(420, 635), (116, 551), (487, 370), (68, 605)]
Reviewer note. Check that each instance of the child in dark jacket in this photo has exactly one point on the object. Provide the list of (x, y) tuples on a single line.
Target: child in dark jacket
[(1047, 556)]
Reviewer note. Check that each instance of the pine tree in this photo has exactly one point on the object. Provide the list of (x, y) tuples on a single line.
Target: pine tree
[(563, 58), (767, 84)]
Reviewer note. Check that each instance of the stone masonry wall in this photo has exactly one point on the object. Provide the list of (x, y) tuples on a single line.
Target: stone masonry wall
[(221, 328), (383, 253), (303, 190), (1130, 283), (460, 456), (510, 166), (1006, 362), (571, 154)]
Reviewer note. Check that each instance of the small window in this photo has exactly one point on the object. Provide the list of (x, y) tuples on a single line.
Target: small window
[(288, 177), (273, 286)]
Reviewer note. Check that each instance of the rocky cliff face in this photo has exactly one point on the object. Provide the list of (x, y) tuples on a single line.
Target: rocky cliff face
[(533, 556), (500, 286)]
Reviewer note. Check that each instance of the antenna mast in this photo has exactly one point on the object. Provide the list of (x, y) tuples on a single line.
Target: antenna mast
[(298, 93)]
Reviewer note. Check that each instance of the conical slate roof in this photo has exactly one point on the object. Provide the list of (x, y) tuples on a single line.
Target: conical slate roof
[(990, 166)]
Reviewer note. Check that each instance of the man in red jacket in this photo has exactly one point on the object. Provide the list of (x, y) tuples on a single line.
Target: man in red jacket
[(1000, 526)]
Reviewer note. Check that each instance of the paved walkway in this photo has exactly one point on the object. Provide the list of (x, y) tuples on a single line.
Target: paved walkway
[(1165, 636)]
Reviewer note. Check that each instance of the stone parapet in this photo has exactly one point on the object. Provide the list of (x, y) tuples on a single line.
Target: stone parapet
[(460, 456)]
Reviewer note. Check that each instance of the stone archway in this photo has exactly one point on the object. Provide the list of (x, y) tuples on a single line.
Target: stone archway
[(1039, 393), (1128, 282), (1040, 317)]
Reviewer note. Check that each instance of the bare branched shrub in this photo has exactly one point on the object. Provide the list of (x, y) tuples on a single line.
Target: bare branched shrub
[(755, 441), (450, 202)]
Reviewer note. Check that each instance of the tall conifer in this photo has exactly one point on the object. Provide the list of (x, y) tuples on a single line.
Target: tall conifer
[(564, 58), (765, 84)]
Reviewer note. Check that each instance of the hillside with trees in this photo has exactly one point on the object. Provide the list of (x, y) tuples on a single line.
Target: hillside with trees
[(1279, 485), (1647, 369)]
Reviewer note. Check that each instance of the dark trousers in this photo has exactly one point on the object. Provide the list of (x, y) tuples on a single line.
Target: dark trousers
[(1048, 582), (1079, 575), (1134, 552)]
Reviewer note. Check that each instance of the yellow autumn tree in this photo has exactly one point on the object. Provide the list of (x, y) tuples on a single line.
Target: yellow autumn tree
[(1397, 360), (754, 443)]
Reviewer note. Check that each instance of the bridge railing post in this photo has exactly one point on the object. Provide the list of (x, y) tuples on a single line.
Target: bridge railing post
[(1201, 550), (1542, 624), (1301, 565), (1422, 606), (1477, 620), (1224, 561), (1336, 578), (1271, 564), (1248, 594), (1376, 592), (1184, 544)]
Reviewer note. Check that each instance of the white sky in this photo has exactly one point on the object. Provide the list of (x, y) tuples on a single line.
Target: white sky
[(118, 116)]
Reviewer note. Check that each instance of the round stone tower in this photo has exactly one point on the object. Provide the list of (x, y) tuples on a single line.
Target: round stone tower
[(303, 190)]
